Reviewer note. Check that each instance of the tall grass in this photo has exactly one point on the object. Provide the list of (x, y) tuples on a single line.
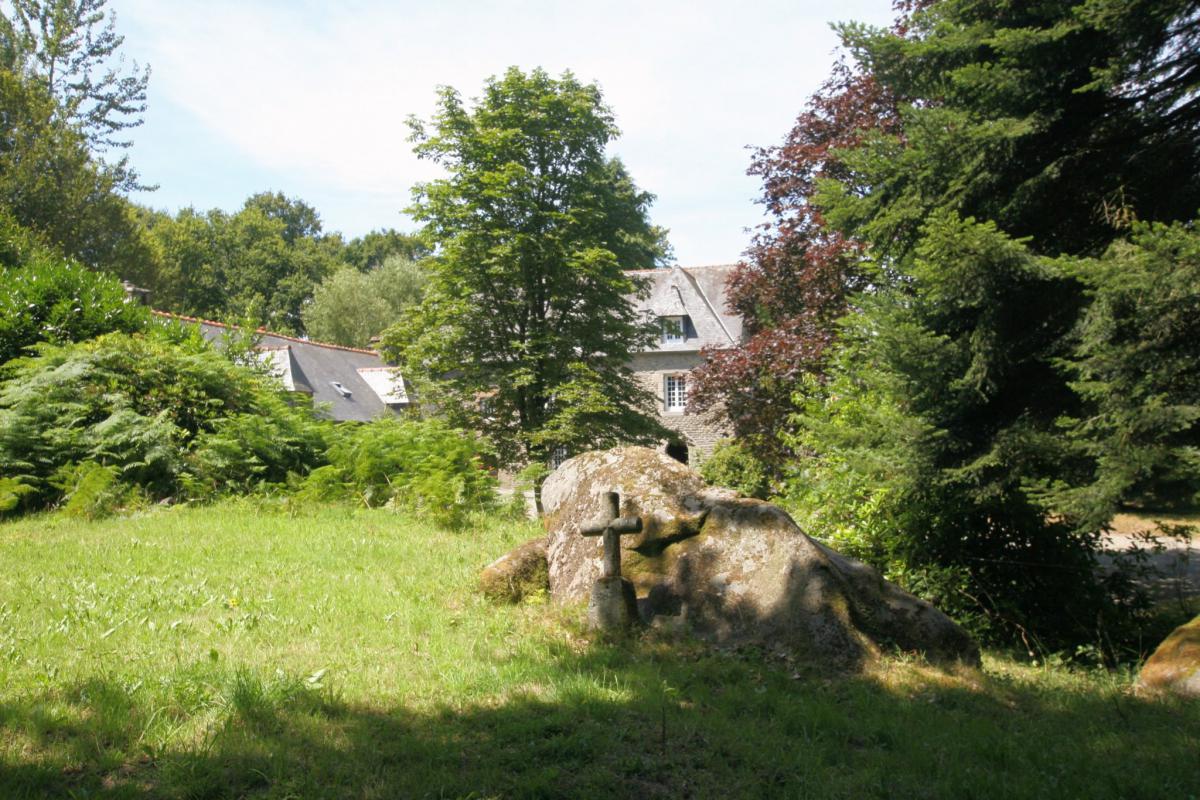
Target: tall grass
[(239, 651)]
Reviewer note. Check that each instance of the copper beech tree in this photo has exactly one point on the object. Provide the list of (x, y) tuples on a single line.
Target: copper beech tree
[(799, 273)]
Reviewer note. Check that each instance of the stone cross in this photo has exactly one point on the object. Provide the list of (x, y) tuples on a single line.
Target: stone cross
[(613, 606), (612, 527)]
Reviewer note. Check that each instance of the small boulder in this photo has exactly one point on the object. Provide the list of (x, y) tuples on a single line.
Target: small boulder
[(1175, 665), (732, 569), (517, 574)]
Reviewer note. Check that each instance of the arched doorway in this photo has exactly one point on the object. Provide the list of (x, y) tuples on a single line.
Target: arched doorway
[(678, 451)]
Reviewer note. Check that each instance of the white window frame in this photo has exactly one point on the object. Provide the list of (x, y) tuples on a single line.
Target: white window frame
[(558, 455), (675, 392), (673, 329)]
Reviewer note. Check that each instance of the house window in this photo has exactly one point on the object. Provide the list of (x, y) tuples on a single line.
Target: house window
[(557, 456), (675, 392), (674, 329)]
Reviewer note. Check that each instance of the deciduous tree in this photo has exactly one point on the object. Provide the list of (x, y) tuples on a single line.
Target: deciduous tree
[(798, 274), (63, 102), (352, 307), (263, 261), (71, 49), (526, 329)]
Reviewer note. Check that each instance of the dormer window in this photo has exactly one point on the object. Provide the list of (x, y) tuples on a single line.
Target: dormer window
[(675, 329)]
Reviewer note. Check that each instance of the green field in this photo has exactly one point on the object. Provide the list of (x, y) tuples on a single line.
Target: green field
[(239, 651)]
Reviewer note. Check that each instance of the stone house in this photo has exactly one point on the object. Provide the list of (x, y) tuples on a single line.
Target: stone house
[(689, 306)]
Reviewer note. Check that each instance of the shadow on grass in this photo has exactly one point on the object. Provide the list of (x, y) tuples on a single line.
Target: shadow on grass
[(642, 720)]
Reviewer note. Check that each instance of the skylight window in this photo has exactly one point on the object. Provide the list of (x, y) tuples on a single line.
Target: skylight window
[(386, 383), (342, 390)]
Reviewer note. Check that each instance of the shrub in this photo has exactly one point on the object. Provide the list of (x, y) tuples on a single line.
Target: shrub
[(94, 491), (12, 491), (423, 466), (45, 297), (260, 447), (163, 409), (735, 466)]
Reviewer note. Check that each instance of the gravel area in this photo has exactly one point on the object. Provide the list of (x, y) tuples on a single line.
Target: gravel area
[(1175, 561)]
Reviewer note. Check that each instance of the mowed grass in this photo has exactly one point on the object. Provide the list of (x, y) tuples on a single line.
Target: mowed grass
[(238, 651)]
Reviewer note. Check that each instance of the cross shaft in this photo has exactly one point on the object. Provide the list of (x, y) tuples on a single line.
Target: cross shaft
[(612, 526)]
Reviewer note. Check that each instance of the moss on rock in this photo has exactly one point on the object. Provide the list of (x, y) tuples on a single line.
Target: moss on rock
[(517, 575), (1175, 665), (731, 568)]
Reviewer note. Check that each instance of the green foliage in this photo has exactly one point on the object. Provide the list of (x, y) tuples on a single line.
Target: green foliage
[(935, 424), (351, 307), (162, 408), (1136, 369), (1060, 122), (733, 465), (92, 491), (47, 298), (1000, 386), (262, 446), (51, 183), (370, 250), (69, 48), (421, 466), (266, 259), (12, 492), (527, 298)]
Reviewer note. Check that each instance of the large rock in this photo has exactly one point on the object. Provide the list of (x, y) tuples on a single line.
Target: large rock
[(1175, 665), (516, 575), (732, 569)]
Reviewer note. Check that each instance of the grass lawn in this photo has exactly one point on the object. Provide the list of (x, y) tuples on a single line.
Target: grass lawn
[(237, 651)]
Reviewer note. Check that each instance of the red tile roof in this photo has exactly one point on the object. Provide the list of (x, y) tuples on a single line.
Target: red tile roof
[(266, 332)]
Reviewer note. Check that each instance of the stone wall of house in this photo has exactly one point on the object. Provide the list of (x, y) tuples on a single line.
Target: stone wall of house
[(698, 431)]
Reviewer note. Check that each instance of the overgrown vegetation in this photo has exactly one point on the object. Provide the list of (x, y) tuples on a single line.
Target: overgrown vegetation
[(735, 465), (164, 410), (127, 418), (421, 466), (237, 651), (45, 297)]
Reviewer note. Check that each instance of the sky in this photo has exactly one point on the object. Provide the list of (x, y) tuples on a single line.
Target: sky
[(310, 98)]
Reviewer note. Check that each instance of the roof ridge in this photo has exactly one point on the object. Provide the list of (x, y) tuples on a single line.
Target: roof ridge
[(265, 332), (679, 266)]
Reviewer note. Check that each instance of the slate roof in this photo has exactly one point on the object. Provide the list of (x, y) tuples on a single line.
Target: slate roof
[(314, 368), (699, 293)]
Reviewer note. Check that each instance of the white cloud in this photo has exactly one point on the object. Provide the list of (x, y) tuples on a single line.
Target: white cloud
[(322, 93)]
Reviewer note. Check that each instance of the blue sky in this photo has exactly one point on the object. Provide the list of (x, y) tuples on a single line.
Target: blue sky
[(310, 98)]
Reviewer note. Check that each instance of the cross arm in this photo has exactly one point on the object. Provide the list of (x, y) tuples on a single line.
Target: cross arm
[(626, 525), (619, 526), (594, 528)]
